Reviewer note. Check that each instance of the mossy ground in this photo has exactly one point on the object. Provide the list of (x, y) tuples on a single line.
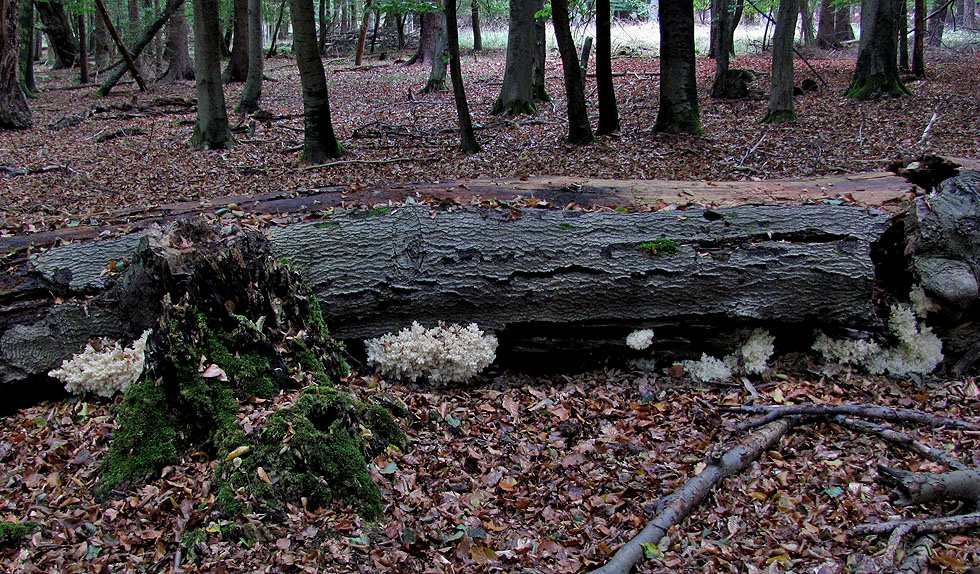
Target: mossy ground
[(659, 247), (12, 533)]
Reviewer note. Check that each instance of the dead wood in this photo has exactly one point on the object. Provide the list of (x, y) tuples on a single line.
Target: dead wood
[(867, 411), (922, 487), (902, 439), (369, 161), (917, 557), (676, 507), (944, 524)]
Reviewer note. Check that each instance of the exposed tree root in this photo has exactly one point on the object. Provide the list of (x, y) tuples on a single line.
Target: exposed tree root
[(676, 507), (771, 413), (917, 526), (901, 439)]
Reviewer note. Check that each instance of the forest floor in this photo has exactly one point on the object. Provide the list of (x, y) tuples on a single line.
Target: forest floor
[(512, 473), (89, 158)]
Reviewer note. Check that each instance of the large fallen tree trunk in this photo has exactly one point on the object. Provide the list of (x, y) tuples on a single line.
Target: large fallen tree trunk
[(544, 279)]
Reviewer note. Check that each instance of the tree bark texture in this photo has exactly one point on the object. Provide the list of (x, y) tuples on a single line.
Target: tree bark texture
[(725, 85), (26, 40), (781, 87), (826, 32), (211, 130), (428, 37), (579, 128), (151, 31), (918, 39), (14, 111), (180, 67), (806, 23), (319, 141), (678, 84), (102, 42), (127, 58), (237, 70), (362, 32), (437, 73), (275, 30), (608, 111), (57, 26), (842, 23), (937, 23), (539, 87), (876, 73), (516, 94), (252, 90), (475, 24), (467, 138)]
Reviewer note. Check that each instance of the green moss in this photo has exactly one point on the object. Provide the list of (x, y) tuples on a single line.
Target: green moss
[(309, 362), (383, 426), (12, 533), (876, 87), (379, 211), (145, 441), (564, 226), (659, 247), (779, 117), (513, 107)]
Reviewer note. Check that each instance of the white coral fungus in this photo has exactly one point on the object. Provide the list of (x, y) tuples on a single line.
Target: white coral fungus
[(755, 352), (105, 371), (919, 350), (442, 354), (640, 339), (707, 369)]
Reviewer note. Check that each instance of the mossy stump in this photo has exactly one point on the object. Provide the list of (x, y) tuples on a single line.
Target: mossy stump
[(235, 323)]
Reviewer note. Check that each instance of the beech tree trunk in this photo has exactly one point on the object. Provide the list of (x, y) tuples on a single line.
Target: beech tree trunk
[(437, 73), (608, 111), (468, 141), (14, 112), (58, 29), (26, 40), (362, 32), (781, 88), (176, 52), (428, 36), (539, 58), (579, 128), (211, 130), (876, 73), (319, 141), (826, 28), (678, 84), (237, 70), (82, 49), (517, 94), (726, 84), (475, 23), (252, 90), (141, 44), (918, 39)]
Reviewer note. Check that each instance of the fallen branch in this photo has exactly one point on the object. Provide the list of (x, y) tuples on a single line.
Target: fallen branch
[(751, 151), (864, 411), (369, 161), (676, 507), (902, 439), (917, 557), (922, 487), (918, 526)]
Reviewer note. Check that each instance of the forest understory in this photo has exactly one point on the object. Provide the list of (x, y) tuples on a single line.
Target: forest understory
[(89, 158)]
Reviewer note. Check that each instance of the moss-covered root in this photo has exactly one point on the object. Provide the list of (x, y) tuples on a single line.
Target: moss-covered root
[(778, 117), (876, 87), (13, 533), (513, 107)]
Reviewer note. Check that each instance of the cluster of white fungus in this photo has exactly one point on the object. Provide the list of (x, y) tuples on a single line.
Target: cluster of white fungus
[(104, 371), (918, 351), (640, 339), (751, 358), (441, 354), (707, 369)]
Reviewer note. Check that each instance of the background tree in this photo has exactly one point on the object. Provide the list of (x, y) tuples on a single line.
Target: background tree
[(319, 141), (144, 40), (539, 88), (440, 60), (918, 39), (211, 130), (362, 33), (516, 94), (252, 90), (26, 40), (57, 27), (678, 111), (467, 138), (82, 48), (176, 53), (428, 36), (475, 24), (826, 32), (781, 87), (237, 70), (876, 72), (14, 111), (579, 128), (608, 112), (725, 84)]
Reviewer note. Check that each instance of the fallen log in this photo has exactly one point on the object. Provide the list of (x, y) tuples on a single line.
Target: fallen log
[(865, 411)]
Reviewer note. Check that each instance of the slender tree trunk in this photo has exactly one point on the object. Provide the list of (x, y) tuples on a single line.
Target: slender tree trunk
[(938, 23), (26, 41), (141, 44), (211, 130), (608, 111), (275, 31), (475, 22), (440, 59), (14, 111), (374, 33), (679, 111), (903, 38), (579, 128), (58, 29), (82, 49), (781, 88), (323, 25), (539, 58), (876, 72), (237, 70), (319, 142), (918, 39), (806, 15), (467, 138), (252, 90), (102, 43), (516, 94), (400, 23), (362, 33), (826, 32), (180, 67), (127, 58)]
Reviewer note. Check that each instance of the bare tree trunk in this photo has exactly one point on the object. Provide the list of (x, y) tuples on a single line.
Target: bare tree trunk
[(475, 22), (127, 58), (82, 49), (806, 16), (141, 44), (876, 72), (608, 111), (937, 23), (781, 89), (903, 38), (58, 29), (319, 142), (211, 130), (275, 31), (826, 28), (14, 111), (428, 37), (102, 43), (252, 90), (842, 24), (237, 70), (362, 33), (539, 87), (467, 138), (918, 39), (579, 128), (517, 94), (437, 73), (678, 111), (176, 53), (26, 40), (323, 25)]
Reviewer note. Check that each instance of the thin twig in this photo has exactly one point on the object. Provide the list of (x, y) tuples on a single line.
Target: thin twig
[(751, 151)]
